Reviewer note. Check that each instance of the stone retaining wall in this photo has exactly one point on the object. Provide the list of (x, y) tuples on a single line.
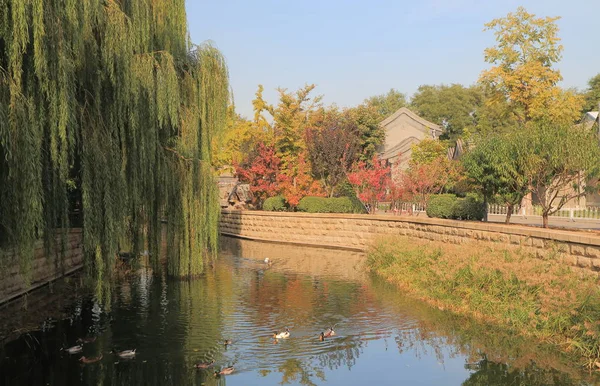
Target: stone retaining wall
[(44, 268), (578, 249)]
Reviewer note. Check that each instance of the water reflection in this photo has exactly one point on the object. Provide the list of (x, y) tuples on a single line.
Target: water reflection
[(383, 336)]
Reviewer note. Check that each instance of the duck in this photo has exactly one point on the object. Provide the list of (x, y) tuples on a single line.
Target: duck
[(126, 353), (329, 332), (282, 335), (227, 342), (268, 261), (204, 365), (86, 340), (90, 360), (321, 336), (74, 349), (224, 371)]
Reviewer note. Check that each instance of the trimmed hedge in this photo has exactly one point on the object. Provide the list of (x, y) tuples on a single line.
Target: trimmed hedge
[(452, 207), (441, 206), (330, 205), (275, 204)]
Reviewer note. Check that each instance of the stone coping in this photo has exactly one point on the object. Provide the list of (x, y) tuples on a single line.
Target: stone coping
[(295, 243), (548, 233)]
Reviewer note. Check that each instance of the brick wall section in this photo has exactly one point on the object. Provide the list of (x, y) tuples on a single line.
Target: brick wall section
[(44, 268), (578, 249)]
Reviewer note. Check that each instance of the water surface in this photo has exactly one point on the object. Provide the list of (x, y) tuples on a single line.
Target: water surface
[(382, 335)]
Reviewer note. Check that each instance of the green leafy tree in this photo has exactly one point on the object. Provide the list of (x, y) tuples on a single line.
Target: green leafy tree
[(113, 96), (498, 167), (386, 104), (371, 134), (453, 107), (563, 163), (592, 94)]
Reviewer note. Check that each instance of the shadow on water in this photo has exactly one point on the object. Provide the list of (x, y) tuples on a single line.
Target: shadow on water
[(382, 335)]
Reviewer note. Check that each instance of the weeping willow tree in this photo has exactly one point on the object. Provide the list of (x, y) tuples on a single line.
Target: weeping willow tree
[(108, 102)]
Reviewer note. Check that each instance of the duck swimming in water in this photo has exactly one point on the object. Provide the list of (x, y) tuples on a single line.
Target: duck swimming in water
[(204, 365), (227, 342), (74, 349), (282, 335), (90, 360), (329, 332), (126, 353), (224, 371)]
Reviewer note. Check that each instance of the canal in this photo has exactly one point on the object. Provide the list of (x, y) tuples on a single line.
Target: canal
[(382, 336)]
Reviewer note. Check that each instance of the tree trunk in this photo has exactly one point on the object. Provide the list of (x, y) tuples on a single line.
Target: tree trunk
[(509, 212), (545, 219), (485, 211)]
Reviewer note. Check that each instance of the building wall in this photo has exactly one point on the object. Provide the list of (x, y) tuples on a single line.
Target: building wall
[(402, 130), (357, 232)]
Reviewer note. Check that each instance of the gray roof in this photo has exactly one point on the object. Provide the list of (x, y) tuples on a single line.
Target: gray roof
[(404, 110)]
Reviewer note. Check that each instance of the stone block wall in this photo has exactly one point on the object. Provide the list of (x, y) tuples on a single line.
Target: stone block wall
[(578, 249), (44, 267)]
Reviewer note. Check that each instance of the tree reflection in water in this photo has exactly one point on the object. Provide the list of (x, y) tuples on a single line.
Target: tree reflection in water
[(174, 324)]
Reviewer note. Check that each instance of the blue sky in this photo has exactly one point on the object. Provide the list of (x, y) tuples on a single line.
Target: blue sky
[(355, 49)]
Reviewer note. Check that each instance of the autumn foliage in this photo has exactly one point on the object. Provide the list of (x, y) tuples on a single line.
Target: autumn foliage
[(371, 182), (261, 171), (296, 182)]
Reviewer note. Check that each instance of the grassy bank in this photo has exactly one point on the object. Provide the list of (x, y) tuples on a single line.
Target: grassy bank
[(508, 287)]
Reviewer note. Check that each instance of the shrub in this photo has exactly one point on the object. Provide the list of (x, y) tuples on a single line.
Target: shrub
[(345, 189), (451, 207), (468, 208), (275, 204), (330, 205), (441, 206)]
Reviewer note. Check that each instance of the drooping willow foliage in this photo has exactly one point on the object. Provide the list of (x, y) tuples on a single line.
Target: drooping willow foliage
[(107, 104)]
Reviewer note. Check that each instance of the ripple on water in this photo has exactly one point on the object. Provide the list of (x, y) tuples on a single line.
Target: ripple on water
[(174, 324)]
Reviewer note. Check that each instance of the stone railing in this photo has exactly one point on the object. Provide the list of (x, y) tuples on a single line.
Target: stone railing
[(43, 268), (357, 232)]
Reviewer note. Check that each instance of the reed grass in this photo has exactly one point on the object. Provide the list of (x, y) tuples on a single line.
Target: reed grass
[(509, 287)]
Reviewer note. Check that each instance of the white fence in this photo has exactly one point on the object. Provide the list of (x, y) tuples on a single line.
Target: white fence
[(400, 208), (590, 212)]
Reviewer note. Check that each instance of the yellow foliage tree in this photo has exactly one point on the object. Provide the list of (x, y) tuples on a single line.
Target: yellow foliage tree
[(291, 118), (522, 77), (233, 144)]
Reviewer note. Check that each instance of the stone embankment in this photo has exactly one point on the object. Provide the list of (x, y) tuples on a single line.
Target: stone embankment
[(44, 267), (578, 249)]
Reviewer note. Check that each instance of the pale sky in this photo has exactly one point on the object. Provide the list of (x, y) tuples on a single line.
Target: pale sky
[(355, 49)]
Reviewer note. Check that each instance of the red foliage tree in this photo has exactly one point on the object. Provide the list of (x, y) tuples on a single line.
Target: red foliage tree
[(420, 181), (371, 183), (261, 171)]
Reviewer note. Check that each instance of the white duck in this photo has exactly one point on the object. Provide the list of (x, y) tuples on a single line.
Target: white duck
[(282, 335)]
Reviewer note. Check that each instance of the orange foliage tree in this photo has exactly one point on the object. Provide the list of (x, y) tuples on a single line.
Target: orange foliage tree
[(297, 182)]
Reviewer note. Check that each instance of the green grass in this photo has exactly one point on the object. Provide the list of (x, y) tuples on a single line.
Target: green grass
[(536, 298)]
